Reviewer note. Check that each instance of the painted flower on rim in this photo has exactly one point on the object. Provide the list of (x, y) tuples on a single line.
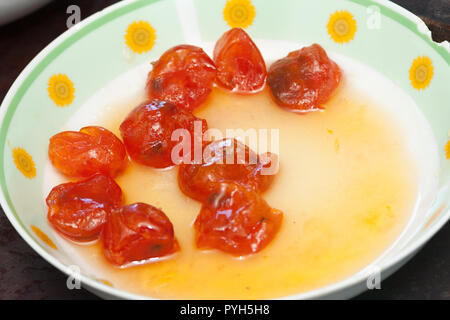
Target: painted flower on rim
[(24, 162), (44, 237), (61, 90), (140, 36), (342, 26), (421, 72), (239, 13), (447, 149)]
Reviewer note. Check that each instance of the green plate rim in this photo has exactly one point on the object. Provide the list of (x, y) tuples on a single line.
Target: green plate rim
[(411, 23)]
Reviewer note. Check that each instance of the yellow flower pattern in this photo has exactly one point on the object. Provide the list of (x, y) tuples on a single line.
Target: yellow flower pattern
[(108, 283), (44, 237), (61, 90), (140, 36), (421, 72), (239, 13), (447, 149), (342, 26), (24, 162)]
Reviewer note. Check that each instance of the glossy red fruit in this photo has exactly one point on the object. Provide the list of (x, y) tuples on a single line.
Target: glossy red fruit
[(236, 220), (78, 209), (183, 75), (304, 80), (89, 151), (240, 65), (147, 132), (226, 160), (137, 233)]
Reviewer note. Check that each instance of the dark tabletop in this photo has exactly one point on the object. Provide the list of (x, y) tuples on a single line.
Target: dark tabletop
[(25, 275)]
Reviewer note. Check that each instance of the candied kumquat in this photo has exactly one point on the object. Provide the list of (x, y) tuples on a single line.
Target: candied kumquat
[(147, 132), (183, 75), (227, 160), (304, 80), (89, 151), (78, 210), (240, 65), (136, 233), (236, 220)]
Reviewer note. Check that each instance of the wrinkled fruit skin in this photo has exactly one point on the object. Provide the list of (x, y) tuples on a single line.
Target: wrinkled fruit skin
[(78, 210), (240, 65), (236, 220), (198, 180), (137, 232), (89, 151), (304, 80), (183, 75), (147, 132)]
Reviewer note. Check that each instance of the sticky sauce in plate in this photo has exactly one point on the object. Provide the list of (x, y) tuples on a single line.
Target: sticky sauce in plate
[(347, 186)]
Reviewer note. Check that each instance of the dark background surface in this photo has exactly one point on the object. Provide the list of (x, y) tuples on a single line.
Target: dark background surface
[(25, 275)]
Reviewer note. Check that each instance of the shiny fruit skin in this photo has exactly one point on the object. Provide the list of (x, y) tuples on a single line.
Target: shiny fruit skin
[(198, 180), (304, 80), (183, 75), (78, 210), (240, 65), (147, 132), (136, 233), (236, 220), (91, 150)]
